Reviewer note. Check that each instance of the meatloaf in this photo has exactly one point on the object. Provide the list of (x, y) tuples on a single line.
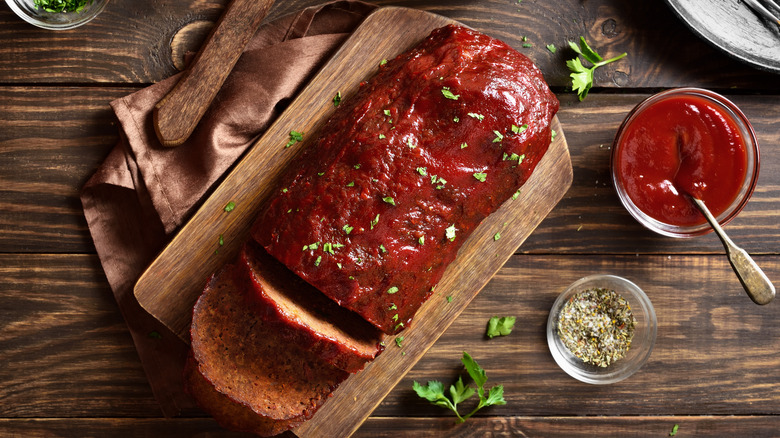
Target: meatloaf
[(303, 316), (406, 169), (245, 361)]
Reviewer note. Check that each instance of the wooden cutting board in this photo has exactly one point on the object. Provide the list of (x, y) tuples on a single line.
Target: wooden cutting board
[(170, 286)]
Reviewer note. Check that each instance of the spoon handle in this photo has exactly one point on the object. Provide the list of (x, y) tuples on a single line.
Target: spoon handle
[(753, 279)]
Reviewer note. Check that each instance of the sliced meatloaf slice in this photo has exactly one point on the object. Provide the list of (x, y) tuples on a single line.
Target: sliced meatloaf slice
[(305, 317), (245, 360), (228, 413)]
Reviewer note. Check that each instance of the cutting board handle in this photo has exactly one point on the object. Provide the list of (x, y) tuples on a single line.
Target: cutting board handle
[(177, 114)]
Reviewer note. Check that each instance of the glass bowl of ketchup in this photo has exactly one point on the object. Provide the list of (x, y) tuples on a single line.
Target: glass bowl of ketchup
[(679, 143)]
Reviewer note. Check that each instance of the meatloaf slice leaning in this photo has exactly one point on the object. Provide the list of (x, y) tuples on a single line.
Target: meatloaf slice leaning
[(244, 359), (406, 169), (305, 317), (228, 413)]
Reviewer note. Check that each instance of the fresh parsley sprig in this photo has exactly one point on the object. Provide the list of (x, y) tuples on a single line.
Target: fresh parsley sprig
[(581, 76), (61, 5), (434, 390)]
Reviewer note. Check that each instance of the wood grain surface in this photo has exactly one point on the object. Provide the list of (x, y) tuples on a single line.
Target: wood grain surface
[(68, 367)]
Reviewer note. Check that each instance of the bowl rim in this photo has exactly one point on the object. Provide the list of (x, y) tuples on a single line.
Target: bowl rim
[(99, 6), (748, 186), (583, 372)]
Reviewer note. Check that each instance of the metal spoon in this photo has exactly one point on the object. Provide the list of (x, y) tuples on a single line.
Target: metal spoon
[(753, 279)]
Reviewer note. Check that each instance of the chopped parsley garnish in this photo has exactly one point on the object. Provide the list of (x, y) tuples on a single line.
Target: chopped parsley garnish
[(314, 245), (327, 247), (581, 76), (375, 221), (464, 145), (553, 133), (221, 240), (62, 5), (230, 206), (480, 176), (356, 166), (382, 248), (337, 99), (317, 262), (551, 48), (395, 318), (410, 143), (449, 233), (437, 180), (674, 430), (421, 240), (295, 137), (383, 62), (389, 200), (382, 136), (499, 136), (448, 94), (392, 290), (456, 119), (479, 117), (500, 326), (458, 392), (387, 112), (518, 129), (527, 45), (449, 298), (398, 341), (516, 194), (351, 184), (392, 307), (347, 229), (422, 171), (320, 173), (397, 326), (496, 236)]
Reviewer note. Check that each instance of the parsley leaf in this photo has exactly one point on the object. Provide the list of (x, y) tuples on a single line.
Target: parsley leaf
[(389, 200), (448, 94), (500, 326), (458, 392), (230, 206), (392, 290), (337, 99), (295, 137), (581, 76), (480, 176), (674, 430)]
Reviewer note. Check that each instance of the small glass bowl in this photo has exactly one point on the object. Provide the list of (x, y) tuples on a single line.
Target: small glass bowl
[(747, 185), (27, 11), (642, 343)]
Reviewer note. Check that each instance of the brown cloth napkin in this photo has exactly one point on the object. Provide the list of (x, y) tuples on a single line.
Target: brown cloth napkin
[(143, 192)]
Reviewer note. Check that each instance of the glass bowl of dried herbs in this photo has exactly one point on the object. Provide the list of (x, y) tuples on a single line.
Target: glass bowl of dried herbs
[(601, 329), (57, 14)]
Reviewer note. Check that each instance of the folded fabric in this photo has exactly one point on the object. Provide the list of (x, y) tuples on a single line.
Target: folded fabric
[(143, 192)]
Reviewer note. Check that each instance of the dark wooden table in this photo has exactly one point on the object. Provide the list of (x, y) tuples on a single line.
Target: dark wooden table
[(68, 366)]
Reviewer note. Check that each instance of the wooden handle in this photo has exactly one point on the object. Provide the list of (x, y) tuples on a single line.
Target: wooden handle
[(177, 114)]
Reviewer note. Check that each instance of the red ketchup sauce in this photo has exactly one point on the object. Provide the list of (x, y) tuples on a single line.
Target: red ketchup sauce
[(681, 144)]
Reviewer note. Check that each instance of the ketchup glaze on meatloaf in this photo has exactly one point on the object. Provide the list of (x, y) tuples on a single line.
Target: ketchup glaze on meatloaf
[(406, 169)]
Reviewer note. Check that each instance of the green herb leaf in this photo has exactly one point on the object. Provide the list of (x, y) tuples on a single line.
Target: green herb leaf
[(495, 396), (221, 240), (317, 262), (475, 371), (479, 117), (421, 240), (551, 48), (448, 94), (480, 176), (295, 137), (375, 221), (518, 129), (337, 99), (383, 62), (496, 236), (382, 136), (389, 200), (460, 392), (553, 134), (500, 326), (351, 184), (674, 430), (422, 171), (387, 112), (449, 298), (464, 145), (499, 137), (230, 206), (399, 341), (581, 76), (516, 194), (347, 229), (392, 290)]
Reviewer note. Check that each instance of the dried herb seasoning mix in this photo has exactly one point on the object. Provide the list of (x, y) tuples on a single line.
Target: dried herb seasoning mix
[(597, 326)]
